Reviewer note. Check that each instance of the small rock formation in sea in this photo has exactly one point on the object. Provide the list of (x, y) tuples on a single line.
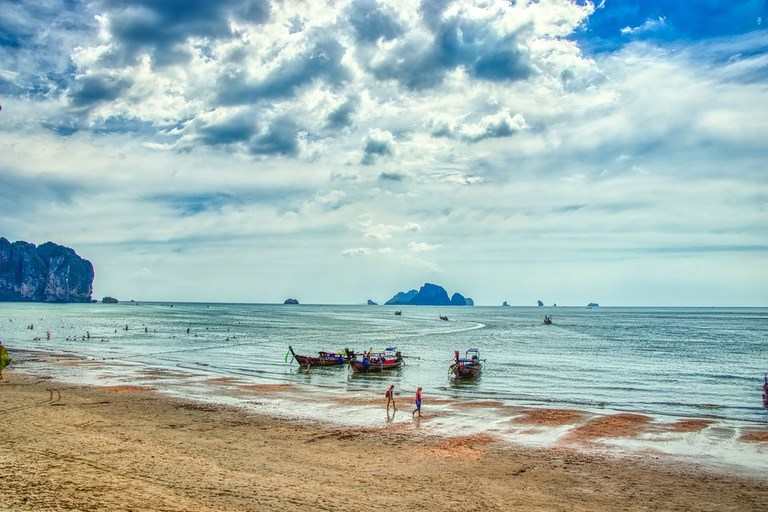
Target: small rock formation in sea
[(371, 303), (458, 299), (541, 304), (290, 301), (505, 304), (429, 295), (109, 300), (44, 273)]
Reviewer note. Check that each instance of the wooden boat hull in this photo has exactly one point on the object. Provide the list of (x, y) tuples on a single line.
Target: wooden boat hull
[(326, 359), (466, 371), (360, 366), (317, 361)]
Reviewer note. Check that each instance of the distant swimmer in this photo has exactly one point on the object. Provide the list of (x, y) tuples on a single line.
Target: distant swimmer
[(48, 335), (390, 394), (126, 327), (187, 330), (88, 334), (146, 330)]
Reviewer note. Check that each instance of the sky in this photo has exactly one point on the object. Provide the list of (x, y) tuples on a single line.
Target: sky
[(334, 151)]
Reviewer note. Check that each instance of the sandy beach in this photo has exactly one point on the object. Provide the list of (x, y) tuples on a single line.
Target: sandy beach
[(129, 448)]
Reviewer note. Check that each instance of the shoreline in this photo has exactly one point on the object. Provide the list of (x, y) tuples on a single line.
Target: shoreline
[(700, 441), (126, 447)]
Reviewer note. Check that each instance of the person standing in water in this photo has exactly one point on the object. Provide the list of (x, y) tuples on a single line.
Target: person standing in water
[(5, 359), (418, 402), (765, 391), (390, 394)]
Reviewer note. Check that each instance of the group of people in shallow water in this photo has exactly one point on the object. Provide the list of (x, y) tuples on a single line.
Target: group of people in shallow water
[(389, 394)]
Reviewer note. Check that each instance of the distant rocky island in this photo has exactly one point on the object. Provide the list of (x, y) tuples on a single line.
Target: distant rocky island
[(372, 302), (429, 295), (290, 301), (110, 300), (44, 273)]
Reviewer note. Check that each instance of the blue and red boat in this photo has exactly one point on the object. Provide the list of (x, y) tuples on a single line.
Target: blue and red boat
[(468, 367)]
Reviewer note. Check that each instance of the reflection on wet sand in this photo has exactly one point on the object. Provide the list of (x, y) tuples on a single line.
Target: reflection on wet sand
[(615, 425)]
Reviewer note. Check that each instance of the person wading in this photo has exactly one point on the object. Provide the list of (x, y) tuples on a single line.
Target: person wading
[(5, 359), (418, 403), (390, 394)]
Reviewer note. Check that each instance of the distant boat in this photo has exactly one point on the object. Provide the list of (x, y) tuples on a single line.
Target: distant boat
[(593, 305), (398, 313), (390, 359), (539, 303), (547, 320), (467, 368), (443, 318)]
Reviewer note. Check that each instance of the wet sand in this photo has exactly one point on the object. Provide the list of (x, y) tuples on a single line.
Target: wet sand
[(135, 449)]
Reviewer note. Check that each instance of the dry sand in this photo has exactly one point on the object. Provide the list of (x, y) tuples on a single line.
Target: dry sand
[(130, 448)]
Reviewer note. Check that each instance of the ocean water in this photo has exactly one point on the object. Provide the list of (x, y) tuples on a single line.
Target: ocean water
[(668, 363)]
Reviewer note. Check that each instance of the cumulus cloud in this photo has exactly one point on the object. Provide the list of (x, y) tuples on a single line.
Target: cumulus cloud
[(342, 115), (386, 231), (500, 124), (378, 143), (161, 30), (372, 21), (321, 61)]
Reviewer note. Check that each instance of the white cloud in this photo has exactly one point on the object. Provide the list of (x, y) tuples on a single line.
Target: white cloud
[(649, 25), (422, 247)]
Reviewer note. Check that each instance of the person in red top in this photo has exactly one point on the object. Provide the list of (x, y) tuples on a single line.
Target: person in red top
[(418, 402), (390, 394)]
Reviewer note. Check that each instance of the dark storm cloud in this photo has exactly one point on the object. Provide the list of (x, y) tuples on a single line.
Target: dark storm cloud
[(281, 138), (341, 116), (93, 89), (159, 28), (39, 59), (322, 61), (376, 146), (238, 128), (372, 21), (454, 43)]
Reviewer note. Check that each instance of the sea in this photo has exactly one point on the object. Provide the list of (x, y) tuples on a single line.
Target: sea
[(669, 364)]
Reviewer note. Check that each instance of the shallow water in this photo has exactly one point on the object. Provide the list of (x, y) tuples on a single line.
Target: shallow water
[(667, 363)]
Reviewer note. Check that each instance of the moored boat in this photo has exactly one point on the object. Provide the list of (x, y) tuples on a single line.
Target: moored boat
[(390, 359), (323, 359), (467, 368)]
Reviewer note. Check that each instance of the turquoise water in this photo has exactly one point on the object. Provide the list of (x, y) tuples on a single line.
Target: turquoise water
[(668, 362)]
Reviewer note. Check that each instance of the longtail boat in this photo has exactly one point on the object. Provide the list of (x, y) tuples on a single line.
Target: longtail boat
[(467, 368), (323, 359), (390, 359)]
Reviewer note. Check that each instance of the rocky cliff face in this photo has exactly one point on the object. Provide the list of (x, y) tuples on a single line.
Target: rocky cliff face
[(429, 295), (45, 273)]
